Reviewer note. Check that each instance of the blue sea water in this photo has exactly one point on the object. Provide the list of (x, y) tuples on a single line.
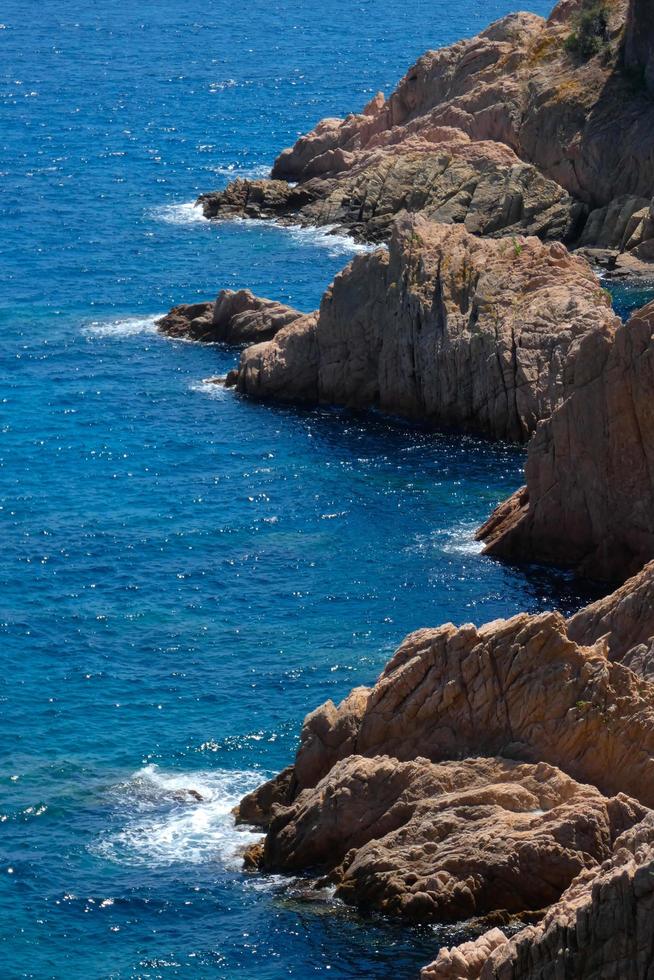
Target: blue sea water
[(184, 574)]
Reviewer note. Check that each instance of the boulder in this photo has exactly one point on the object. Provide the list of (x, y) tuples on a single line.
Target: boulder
[(235, 318)]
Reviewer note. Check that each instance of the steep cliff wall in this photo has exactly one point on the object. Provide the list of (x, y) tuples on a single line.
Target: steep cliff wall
[(589, 499), (447, 328)]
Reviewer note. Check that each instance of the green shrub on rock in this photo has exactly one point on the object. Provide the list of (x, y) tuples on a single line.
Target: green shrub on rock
[(591, 30)]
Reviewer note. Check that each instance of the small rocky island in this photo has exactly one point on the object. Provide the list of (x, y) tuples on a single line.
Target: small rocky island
[(501, 773)]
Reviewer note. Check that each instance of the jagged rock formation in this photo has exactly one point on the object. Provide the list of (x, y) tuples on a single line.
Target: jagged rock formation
[(626, 619), (601, 927), (589, 499), (450, 841), (444, 327), (234, 318), (519, 688), (481, 184), (509, 132), (379, 803)]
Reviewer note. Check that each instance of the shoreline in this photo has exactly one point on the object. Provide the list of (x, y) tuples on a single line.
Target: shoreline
[(443, 324)]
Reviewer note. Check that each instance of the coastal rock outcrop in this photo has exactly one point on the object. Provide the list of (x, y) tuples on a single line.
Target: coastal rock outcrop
[(485, 773), (445, 327), (235, 318), (589, 498), (450, 841), (480, 184), (521, 129), (601, 927), (626, 619), (519, 688)]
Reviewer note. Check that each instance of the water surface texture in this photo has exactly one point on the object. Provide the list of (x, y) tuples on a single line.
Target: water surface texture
[(184, 574)]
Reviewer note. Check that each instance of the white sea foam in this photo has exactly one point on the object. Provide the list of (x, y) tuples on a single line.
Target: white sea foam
[(214, 389), (460, 540), (129, 327), (457, 540), (185, 213), (336, 243), (176, 818), (325, 237), (233, 170)]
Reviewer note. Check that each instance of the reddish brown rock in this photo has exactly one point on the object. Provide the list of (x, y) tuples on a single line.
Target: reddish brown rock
[(448, 177), (589, 500), (447, 328), (518, 688), (508, 132), (235, 318), (601, 927), (626, 619), (379, 801), (446, 842)]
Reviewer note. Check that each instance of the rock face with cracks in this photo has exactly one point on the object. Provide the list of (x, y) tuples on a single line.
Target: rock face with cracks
[(446, 842), (510, 132), (600, 928), (589, 498), (470, 780), (445, 327)]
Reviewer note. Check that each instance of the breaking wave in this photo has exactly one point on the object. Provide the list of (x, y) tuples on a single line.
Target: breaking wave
[(173, 818)]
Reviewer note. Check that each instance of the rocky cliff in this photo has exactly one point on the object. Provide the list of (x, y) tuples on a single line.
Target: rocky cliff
[(601, 927), (639, 41), (445, 327), (471, 778), (589, 497), (536, 126)]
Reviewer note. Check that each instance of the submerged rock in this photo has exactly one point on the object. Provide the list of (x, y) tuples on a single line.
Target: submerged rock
[(234, 318), (589, 499), (446, 328)]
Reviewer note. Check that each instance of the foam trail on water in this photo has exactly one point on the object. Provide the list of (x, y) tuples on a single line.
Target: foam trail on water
[(460, 540), (186, 213), (247, 173), (214, 389), (336, 243), (325, 237), (129, 327), (457, 540), (176, 818)]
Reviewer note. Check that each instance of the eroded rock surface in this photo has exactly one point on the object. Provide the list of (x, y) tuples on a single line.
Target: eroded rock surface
[(626, 619), (450, 841), (444, 327), (601, 927), (589, 499), (235, 318), (486, 772), (508, 132)]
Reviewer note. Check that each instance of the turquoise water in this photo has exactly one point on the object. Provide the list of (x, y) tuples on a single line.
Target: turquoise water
[(184, 574)]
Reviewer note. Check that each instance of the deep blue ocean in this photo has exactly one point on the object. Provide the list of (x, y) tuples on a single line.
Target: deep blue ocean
[(185, 574)]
